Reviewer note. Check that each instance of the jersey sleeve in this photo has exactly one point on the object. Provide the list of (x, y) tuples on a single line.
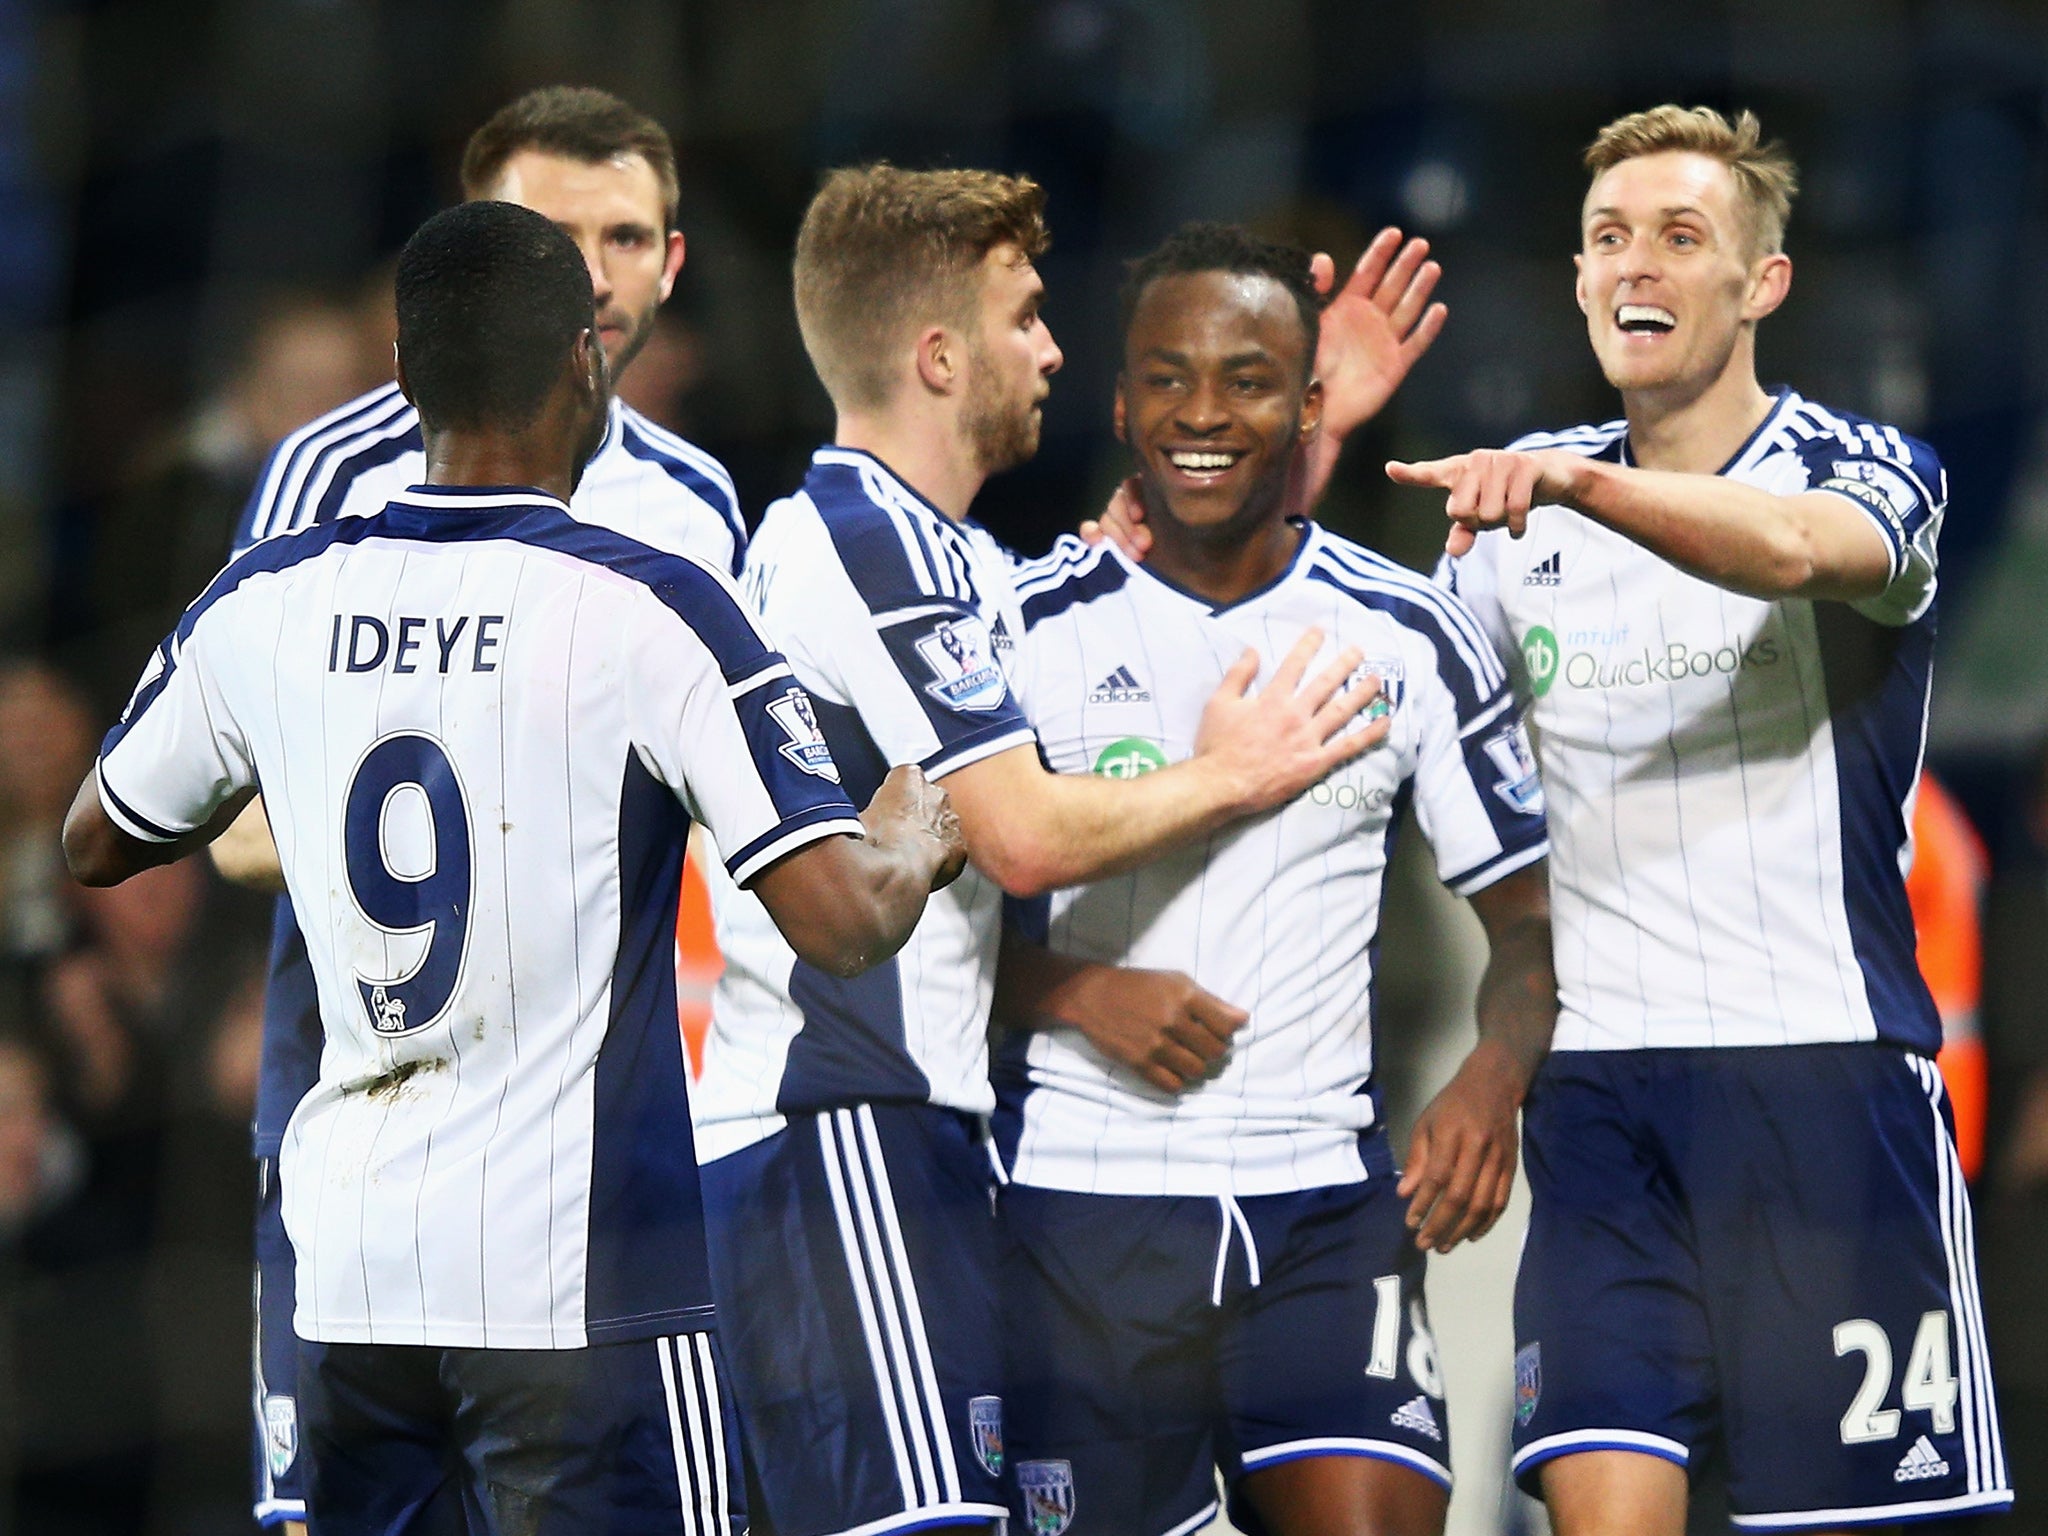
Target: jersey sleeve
[(1899, 485), (724, 724), (910, 651), (175, 755), (1477, 794)]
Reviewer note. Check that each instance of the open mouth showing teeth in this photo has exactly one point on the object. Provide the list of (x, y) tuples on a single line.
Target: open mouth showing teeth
[(1203, 463), (1645, 319)]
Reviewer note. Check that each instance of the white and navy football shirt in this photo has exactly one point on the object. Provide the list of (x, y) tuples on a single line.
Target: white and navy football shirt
[(643, 482), (482, 730), (1280, 913), (1730, 780), (898, 621)]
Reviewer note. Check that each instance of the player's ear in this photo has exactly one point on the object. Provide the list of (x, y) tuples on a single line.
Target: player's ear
[(1116, 412), (1579, 281), (1770, 280), (938, 359), (1311, 409), (588, 366), (673, 264), (398, 373)]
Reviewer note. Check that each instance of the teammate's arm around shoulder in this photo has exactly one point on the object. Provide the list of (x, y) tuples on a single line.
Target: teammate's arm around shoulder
[(845, 904), (1033, 831), (1812, 544), (1461, 1158)]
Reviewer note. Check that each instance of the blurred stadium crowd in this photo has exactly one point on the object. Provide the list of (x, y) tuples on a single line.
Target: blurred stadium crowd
[(197, 203)]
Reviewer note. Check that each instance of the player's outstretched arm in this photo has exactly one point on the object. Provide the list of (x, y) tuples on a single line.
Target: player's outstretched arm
[(100, 853), (1461, 1159), (1816, 544), (1157, 1023), (844, 903), (1032, 831), (246, 853)]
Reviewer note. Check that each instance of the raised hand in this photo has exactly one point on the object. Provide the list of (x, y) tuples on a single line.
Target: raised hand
[(1492, 488), (1375, 328), (1275, 743)]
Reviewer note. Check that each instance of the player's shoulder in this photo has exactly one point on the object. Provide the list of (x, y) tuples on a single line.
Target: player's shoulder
[(1823, 433), (680, 461), (894, 546), (1068, 576), (1430, 613), (307, 464), (1594, 439)]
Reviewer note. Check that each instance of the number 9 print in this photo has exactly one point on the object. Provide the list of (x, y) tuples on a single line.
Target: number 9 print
[(433, 899)]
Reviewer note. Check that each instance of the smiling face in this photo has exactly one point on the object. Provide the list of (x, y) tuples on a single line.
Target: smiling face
[(1010, 357), (1214, 396), (1669, 278), (615, 212)]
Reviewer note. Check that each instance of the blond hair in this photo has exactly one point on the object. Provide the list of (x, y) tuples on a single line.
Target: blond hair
[(1766, 180), (883, 250)]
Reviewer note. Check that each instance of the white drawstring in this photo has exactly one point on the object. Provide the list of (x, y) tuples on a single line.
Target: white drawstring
[(1230, 1216)]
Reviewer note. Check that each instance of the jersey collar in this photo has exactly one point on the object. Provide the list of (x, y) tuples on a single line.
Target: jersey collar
[(1782, 400), (1311, 537), (476, 498), (832, 456)]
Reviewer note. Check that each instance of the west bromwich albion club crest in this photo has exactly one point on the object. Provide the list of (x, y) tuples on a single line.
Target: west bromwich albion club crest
[(1392, 675), (806, 745), (985, 1423), (963, 665), (1047, 1488), (280, 1433), (1528, 1382)]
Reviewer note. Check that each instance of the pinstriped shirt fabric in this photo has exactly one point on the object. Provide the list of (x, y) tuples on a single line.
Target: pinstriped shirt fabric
[(899, 622), (482, 729), (1278, 914), (643, 481), (1730, 780)]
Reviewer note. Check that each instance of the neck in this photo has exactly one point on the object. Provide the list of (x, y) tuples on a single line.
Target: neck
[(924, 449), (539, 456), (1697, 429), (1223, 565)]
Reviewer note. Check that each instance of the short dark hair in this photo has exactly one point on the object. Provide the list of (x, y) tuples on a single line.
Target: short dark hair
[(1224, 248), (491, 297), (577, 122)]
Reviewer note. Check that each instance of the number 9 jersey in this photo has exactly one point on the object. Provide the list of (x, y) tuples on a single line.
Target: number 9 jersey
[(482, 730)]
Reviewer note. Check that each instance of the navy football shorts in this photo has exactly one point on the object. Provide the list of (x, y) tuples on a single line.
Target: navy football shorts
[(1155, 1339), (852, 1259), (628, 1439), (1764, 1254), (277, 1467)]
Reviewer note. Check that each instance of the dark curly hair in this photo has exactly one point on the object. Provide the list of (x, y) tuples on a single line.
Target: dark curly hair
[(1224, 248)]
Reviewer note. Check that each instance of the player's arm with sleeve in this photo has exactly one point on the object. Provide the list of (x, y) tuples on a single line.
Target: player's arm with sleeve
[(737, 738), (920, 669), (1861, 532), (245, 853), (171, 774), (1481, 807)]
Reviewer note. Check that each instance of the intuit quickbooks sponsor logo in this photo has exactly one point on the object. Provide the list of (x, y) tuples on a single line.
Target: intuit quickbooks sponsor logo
[(1539, 654), (1128, 758), (1672, 663)]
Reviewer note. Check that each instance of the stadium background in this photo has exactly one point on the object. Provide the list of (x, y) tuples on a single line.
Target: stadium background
[(197, 202)]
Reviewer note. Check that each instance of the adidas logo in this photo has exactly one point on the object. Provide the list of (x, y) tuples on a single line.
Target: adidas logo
[(1920, 1463), (1548, 573), (1120, 688), (1416, 1414)]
